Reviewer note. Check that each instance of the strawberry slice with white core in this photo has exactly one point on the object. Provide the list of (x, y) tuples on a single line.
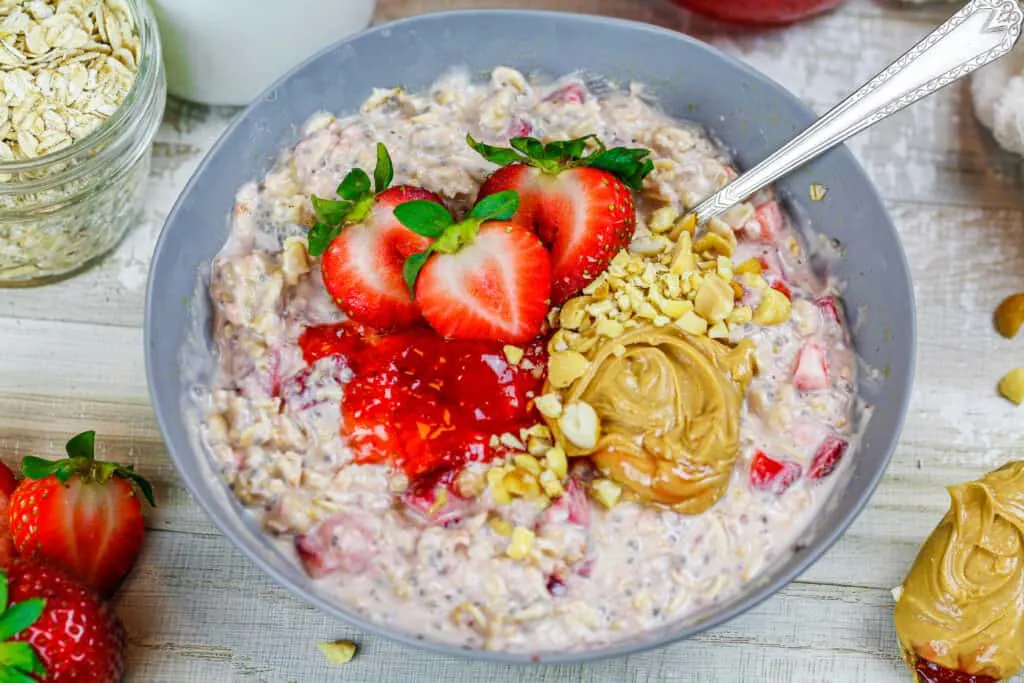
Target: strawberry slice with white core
[(364, 246), (483, 278), (576, 195), (811, 372)]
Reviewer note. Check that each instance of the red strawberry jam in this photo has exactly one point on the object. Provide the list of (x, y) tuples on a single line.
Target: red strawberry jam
[(427, 404)]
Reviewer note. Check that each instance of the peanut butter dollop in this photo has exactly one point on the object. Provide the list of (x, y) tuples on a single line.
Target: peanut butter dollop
[(962, 604), (669, 410)]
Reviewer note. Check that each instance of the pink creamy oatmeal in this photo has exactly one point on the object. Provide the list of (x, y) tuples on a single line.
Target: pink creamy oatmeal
[(592, 574)]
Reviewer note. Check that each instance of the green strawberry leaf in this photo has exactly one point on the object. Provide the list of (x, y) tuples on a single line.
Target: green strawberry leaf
[(384, 173), (330, 211), (411, 270), (18, 660), (82, 445), (502, 156), (129, 473), (355, 186), (531, 147), (499, 206), (424, 217), (631, 166), (320, 236), (20, 616), (40, 468)]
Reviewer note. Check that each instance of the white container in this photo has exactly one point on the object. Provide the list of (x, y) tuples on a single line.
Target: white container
[(228, 51)]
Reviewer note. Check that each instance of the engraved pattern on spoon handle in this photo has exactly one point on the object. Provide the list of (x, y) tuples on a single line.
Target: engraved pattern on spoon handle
[(981, 32)]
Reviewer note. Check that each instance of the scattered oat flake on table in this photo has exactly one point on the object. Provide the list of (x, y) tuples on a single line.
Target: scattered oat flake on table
[(818, 192), (339, 651), (65, 66)]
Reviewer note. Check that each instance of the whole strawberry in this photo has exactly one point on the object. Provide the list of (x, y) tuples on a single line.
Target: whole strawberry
[(55, 629), (578, 201), (81, 514)]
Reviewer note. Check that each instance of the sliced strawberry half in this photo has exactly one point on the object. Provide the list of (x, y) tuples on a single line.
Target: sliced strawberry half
[(364, 246), (483, 278), (578, 200), (768, 474)]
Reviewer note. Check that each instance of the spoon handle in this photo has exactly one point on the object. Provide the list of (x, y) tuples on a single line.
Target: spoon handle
[(981, 32)]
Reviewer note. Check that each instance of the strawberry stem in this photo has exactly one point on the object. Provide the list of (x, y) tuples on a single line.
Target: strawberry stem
[(430, 219), (356, 202), (19, 661), (81, 462), (630, 165)]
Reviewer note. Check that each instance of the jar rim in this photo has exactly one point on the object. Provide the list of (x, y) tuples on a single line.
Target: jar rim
[(149, 67)]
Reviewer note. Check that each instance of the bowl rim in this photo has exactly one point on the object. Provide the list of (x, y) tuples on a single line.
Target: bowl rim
[(765, 590)]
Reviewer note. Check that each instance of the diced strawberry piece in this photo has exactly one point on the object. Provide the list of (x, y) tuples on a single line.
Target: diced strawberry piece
[(519, 127), (8, 482), (769, 216), (497, 287), (572, 506), (437, 505), (783, 288), (829, 453), (827, 304), (362, 267), (571, 93), (343, 542), (811, 372), (767, 474)]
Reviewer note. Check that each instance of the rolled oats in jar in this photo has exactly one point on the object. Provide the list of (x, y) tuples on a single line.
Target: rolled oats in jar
[(82, 92)]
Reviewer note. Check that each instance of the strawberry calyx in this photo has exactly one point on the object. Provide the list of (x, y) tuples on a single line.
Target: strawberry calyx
[(81, 462), (19, 661), (357, 197), (432, 220), (630, 165)]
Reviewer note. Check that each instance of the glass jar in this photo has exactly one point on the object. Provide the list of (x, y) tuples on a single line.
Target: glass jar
[(62, 211)]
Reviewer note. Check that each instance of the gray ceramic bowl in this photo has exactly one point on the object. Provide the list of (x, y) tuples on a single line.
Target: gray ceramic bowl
[(750, 113)]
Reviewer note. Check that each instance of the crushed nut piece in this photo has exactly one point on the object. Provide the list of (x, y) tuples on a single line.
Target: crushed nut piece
[(580, 425), (607, 492), (565, 367), (522, 541), (1011, 386), (549, 405), (1010, 315), (339, 651), (513, 354)]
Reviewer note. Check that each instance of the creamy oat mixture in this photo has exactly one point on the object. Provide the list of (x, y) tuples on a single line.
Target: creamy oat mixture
[(588, 574)]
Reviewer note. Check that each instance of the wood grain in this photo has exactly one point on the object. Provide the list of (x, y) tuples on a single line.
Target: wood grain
[(71, 359)]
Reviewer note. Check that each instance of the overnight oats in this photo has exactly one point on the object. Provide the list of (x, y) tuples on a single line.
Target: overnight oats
[(482, 373)]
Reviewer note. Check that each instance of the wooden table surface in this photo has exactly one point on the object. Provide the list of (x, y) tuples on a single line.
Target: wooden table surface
[(71, 358)]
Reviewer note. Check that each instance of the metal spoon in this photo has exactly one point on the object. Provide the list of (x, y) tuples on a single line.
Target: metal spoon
[(981, 32)]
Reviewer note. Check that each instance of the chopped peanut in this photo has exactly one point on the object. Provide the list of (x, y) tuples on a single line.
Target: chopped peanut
[(522, 541), (1011, 386)]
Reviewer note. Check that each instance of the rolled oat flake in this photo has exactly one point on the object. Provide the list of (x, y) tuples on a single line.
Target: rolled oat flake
[(65, 66)]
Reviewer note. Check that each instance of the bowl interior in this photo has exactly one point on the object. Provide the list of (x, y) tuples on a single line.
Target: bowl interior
[(749, 113)]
